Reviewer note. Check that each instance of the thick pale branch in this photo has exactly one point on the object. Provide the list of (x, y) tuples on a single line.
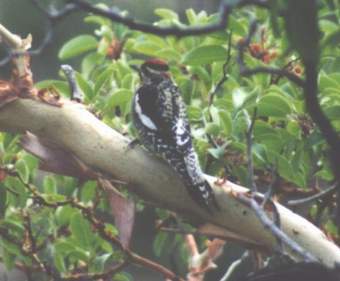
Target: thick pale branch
[(75, 129), (17, 46)]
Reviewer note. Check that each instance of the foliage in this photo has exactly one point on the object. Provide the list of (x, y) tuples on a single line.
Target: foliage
[(285, 140)]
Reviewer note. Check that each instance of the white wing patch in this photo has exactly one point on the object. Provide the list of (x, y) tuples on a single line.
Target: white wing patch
[(144, 118), (180, 132)]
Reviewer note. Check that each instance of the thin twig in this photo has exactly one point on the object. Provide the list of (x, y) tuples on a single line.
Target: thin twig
[(243, 44), (271, 188), (234, 266), (274, 71), (53, 17), (224, 77), (288, 66), (224, 12), (249, 137), (99, 227), (313, 197), (97, 276), (276, 231)]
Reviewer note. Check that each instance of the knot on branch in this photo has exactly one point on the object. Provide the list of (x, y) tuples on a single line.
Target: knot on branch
[(8, 93)]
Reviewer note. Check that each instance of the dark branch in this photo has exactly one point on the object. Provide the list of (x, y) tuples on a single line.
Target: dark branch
[(320, 119), (275, 71), (53, 17), (131, 23), (76, 92)]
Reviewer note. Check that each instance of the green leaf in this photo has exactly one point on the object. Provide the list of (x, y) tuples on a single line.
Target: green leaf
[(293, 128), (259, 153), (273, 105), (122, 276), (212, 129), (191, 16), (285, 168), (13, 225), (70, 249), (325, 174), (205, 55), (59, 262), (63, 247), (89, 63), (111, 229), (79, 254), (333, 112), (61, 87), (103, 45), (8, 259), (98, 20), (329, 81), (64, 214), (168, 54), (85, 86), (81, 230), (194, 113), (166, 14), (331, 228), (120, 98), (226, 122), (23, 170), (88, 191), (11, 248), (50, 185), (332, 40), (53, 197), (159, 243), (102, 79), (218, 152), (242, 99), (100, 261), (77, 46), (31, 161), (146, 48)]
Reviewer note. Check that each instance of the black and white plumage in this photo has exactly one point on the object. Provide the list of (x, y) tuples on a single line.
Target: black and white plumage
[(159, 115)]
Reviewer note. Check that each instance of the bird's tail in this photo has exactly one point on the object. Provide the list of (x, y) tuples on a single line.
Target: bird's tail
[(187, 166), (204, 195)]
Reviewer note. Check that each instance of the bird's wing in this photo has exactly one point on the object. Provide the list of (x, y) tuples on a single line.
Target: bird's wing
[(163, 111)]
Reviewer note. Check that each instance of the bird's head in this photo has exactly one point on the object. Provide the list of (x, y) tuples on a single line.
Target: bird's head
[(154, 70)]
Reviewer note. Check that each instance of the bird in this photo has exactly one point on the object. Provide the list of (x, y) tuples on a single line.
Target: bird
[(160, 118)]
